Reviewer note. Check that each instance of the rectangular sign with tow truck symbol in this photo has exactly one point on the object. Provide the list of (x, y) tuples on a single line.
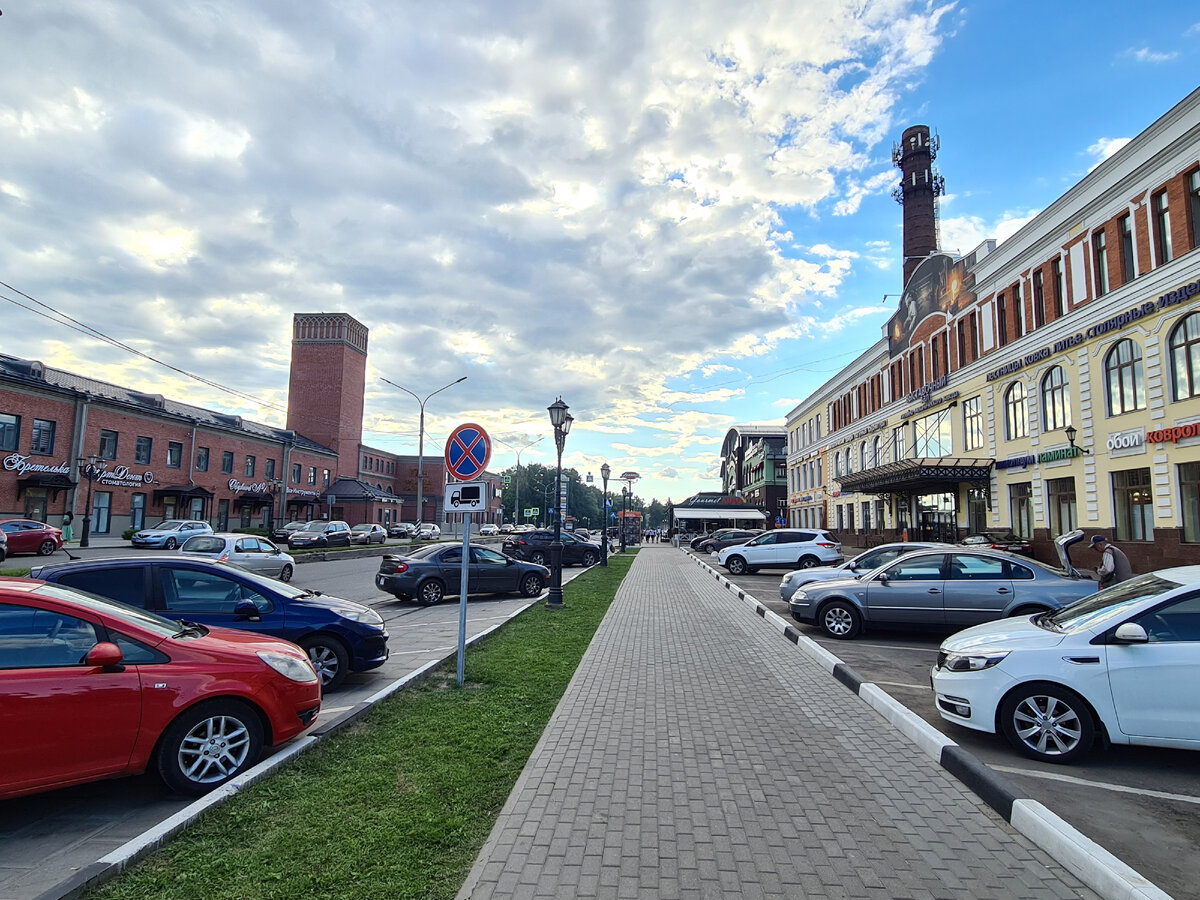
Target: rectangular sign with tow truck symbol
[(467, 496)]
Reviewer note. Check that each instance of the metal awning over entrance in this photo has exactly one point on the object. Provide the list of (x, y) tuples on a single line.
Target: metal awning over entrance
[(918, 476), (716, 512), (182, 492), (50, 481)]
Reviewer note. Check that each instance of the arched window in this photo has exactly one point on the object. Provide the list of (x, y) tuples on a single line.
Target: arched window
[(849, 462), (1185, 358), (1124, 377), (1016, 418), (863, 459), (1056, 400), (876, 446), (837, 464)]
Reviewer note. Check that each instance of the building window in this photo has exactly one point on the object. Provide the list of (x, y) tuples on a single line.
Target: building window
[(174, 454), (1002, 319), (1039, 300), (931, 435), (1100, 262), (137, 511), (973, 424), (1018, 306), (1194, 206), (877, 451), (1189, 494), (201, 459), (325, 477), (227, 462), (143, 448), (251, 462), (42, 443), (10, 431), (1060, 298), (295, 473), (898, 443), (108, 444), (1162, 229), (269, 469), (1060, 498), (101, 512), (1124, 377), (1016, 417), (1020, 505), (312, 474), (1128, 265), (1185, 358), (1056, 400), (1133, 503)]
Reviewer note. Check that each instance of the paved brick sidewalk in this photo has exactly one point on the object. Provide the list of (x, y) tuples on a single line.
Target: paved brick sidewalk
[(698, 754)]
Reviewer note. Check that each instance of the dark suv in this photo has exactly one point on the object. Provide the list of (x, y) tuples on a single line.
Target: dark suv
[(534, 546), (320, 534)]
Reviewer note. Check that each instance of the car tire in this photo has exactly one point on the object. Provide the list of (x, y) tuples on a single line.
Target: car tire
[(589, 558), (329, 657), (431, 592), (285, 574), (808, 561), (538, 558), (1047, 722), (531, 585), (840, 620), (47, 547), (169, 544), (737, 566), (208, 745)]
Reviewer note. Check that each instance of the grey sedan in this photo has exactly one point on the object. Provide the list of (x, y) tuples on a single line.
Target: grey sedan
[(254, 553), (935, 589), (865, 562)]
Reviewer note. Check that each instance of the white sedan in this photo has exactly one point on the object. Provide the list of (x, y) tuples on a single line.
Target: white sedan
[(1125, 660), (489, 529)]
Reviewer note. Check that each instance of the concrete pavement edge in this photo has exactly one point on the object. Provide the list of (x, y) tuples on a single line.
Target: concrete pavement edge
[(1091, 863)]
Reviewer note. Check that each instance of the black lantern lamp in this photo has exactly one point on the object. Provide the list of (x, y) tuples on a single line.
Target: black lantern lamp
[(605, 471), (90, 468), (1071, 431), (561, 420)]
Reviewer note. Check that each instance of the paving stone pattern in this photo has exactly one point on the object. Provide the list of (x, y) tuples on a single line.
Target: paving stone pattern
[(696, 753)]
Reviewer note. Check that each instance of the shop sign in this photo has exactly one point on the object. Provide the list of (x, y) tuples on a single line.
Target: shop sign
[(22, 466), (1023, 461), (1127, 443), (1174, 435), (925, 392), (121, 476), (929, 404), (303, 493), (239, 487), (1060, 453), (855, 435)]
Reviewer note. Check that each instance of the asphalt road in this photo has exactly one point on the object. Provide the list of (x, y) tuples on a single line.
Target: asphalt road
[(46, 837), (1140, 804)]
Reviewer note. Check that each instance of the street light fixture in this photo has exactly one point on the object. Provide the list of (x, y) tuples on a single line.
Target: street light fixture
[(91, 468), (421, 444), (561, 420), (1070, 432), (605, 471), (629, 478)]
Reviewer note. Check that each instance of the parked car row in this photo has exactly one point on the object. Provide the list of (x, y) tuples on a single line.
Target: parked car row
[(534, 546), (28, 536)]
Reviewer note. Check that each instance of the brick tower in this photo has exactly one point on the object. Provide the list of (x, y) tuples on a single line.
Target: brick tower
[(328, 382), (920, 185)]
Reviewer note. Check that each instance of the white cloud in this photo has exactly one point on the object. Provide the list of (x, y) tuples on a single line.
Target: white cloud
[(1146, 55), (1104, 148)]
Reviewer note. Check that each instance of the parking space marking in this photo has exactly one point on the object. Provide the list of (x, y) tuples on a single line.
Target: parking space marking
[(1103, 785)]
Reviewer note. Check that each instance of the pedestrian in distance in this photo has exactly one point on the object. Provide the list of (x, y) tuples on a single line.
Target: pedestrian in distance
[(68, 530), (1114, 564)]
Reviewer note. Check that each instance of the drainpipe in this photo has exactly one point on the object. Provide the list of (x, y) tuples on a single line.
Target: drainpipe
[(77, 442)]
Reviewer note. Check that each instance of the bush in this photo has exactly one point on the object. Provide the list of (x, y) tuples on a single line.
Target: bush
[(128, 534)]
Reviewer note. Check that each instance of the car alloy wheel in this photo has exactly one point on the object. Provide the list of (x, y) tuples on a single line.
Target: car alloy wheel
[(807, 562), (46, 548), (208, 745), (328, 657), (589, 558), (169, 544), (840, 620), (531, 585), (736, 565), (1047, 722), (285, 574), (430, 593), (538, 558)]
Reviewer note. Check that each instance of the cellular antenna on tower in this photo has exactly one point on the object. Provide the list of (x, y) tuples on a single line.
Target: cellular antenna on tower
[(920, 186)]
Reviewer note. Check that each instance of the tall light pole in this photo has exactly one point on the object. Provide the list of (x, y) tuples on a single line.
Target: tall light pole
[(421, 443), (91, 469), (605, 471), (517, 499), (561, 420), (629, 478)]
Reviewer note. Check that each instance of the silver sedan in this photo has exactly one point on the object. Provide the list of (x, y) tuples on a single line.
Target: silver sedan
[(254, 553), (865, 562)]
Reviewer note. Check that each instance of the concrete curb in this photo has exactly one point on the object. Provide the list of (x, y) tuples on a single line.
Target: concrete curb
[(1087, 860), (133, 851)]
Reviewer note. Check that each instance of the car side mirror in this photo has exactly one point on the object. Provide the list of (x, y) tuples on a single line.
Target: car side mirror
[(883, 578), (106, 655), (245, 609), (1130, 633)]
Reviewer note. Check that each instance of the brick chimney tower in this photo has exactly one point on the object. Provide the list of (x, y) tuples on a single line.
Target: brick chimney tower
[(328, 382), (920, 185)]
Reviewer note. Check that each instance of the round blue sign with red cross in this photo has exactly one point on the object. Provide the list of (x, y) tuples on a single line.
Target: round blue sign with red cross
[(468, 452)]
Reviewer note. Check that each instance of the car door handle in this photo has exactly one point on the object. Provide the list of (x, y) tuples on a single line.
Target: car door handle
[(935, 590), (1003, 591)]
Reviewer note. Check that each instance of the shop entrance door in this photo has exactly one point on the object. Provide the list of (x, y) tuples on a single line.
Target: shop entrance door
[(35, 505), (937, 518)]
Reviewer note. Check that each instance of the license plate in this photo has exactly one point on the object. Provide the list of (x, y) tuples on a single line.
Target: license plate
[(378, 581)]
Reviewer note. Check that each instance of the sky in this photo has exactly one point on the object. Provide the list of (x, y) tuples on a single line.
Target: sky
[(677, 216)]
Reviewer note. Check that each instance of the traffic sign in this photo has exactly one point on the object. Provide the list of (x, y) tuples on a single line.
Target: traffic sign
[(464, 497), (467, 452)]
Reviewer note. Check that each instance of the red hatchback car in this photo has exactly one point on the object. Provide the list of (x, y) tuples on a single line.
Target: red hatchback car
[(30, 536), (91, 688)]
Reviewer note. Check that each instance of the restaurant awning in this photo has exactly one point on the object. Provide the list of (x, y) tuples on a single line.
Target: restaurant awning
[(917, 476), (51, 481), (722, 513), (182, 492)]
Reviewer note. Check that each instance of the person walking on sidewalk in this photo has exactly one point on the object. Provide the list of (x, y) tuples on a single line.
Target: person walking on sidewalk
[(1114, 564), (68, 530)]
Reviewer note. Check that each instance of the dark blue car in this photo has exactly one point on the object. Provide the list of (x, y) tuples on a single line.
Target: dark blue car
[(339, 636)]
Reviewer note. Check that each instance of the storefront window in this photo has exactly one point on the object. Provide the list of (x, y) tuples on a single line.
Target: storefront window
[(977, 506), (1020, 501), (222, 515), (137, 511), (101, 508), (1189, 495), (1060, 498), (1133, 505), (937, 518), (931, 435)]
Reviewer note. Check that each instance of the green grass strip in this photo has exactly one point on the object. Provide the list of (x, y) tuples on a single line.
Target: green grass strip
[(400, 803)]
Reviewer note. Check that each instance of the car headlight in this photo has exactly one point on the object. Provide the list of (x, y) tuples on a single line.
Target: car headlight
[(972, 662), (800, 595), (363, 615), (291, 667)]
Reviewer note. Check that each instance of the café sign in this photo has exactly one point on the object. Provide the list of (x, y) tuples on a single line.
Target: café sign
[(22, 466), (121, 476), (259, 487)]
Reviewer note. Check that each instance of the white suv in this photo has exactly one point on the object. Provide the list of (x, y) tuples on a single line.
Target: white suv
[(783, 548)]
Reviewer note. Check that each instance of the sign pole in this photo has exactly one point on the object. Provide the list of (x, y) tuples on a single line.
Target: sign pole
[(462, 595)]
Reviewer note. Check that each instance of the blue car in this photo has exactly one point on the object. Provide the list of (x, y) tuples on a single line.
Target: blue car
[(170, 533), (339, 636)]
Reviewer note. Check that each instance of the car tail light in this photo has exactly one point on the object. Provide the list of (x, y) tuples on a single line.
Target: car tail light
[(224, 557), (826, 544), (400, 567), (997, 546)]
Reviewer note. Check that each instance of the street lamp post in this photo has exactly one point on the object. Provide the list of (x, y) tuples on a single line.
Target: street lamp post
[(629, 478), (421, 443), (517, 497), (90, 468), (561, 420), (605, 471)]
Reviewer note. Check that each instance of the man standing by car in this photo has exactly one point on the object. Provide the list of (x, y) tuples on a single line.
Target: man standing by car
[(1114, 564)]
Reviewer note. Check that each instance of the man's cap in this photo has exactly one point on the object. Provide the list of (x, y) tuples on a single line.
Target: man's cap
[(1098, 539)]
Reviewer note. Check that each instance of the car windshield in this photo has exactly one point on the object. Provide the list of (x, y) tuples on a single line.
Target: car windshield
[(1109, 604), (266, 586), (140, 617), (314, 526), (203, 544), (167, 525), (426, 551), (361, 528)]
